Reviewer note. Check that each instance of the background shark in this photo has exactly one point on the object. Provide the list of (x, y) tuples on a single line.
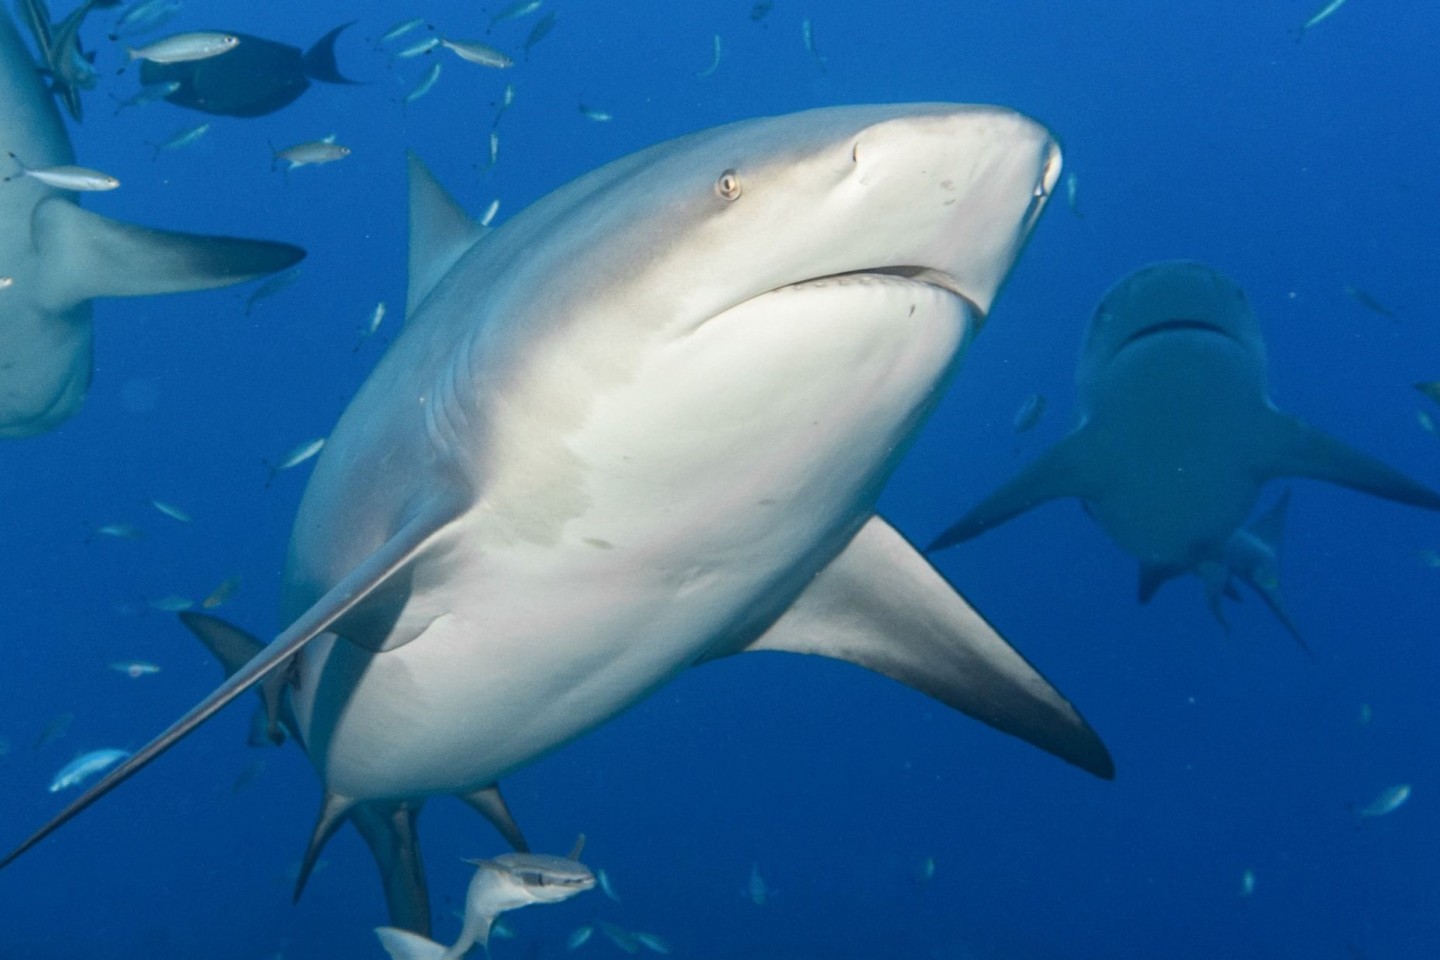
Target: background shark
[(1176, 433), (60, 256), (642, 426)]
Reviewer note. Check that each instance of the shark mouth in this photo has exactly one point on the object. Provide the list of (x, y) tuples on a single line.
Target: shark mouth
[(1173, 326), (900, 274)]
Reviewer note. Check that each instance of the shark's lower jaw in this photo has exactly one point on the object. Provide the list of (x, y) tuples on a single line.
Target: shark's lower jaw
[(1174, 326)]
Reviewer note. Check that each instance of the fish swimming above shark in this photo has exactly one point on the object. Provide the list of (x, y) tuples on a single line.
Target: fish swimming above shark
[(257, 77), (642, 426), (1176, 433), (60, 256)]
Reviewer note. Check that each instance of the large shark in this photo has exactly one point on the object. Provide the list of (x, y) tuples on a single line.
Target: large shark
[(639, 427), (1176, 431), (58, 256)]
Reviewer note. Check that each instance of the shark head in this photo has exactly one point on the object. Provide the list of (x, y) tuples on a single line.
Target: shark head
[(1178, 301)]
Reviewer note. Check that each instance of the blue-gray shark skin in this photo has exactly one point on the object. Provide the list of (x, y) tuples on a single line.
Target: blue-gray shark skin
[(1176, 432), (641, 426), (60, 256)]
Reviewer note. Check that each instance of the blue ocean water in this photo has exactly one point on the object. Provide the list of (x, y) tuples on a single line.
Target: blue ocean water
[(1194, 130)]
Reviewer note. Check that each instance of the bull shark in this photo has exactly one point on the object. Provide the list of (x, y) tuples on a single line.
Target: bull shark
[(639, 427), (1176, 432), (59, 256)]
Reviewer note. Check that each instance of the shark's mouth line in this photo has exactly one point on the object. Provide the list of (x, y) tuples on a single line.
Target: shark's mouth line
[(1171, 326), (901, 274)]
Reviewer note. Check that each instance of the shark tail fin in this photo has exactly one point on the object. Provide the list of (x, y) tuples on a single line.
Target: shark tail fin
[(105, 258), (1065, 470), (404, 945), (882, 606), (1296, 449), (320, 59)]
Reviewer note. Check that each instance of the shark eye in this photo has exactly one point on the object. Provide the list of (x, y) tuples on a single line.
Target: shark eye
[(728, 186)]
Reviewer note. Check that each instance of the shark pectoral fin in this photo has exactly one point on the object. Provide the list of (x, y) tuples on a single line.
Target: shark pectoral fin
[(440, 232), (88, 255), (320, 59), (389, 832), (394, 555), (334, 811), (404, 945), (1293, 448), (1071, 468), (881, 605), (491, 806), (234, 648)]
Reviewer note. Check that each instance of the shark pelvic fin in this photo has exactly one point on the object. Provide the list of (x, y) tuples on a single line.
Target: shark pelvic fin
[(392, 556), (1068, 469), (880, 604), (491, 806), (92, 256), (389, 831), (334, 811), (440, 232), (1293, 448)]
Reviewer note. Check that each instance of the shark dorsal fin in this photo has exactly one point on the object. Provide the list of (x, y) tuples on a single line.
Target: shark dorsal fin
[(440, 232)]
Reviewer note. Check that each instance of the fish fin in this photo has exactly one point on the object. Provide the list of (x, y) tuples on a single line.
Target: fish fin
[(334, 811), (392, 556), (1293, 448), (320, 59), (404, 945), (93, 256), (1152, 577), (1065, 470), (440, 232), (882, 606), (234, 648), (389, 832), (1271, 595), (578, 849), (1269, 527), (491, 805)]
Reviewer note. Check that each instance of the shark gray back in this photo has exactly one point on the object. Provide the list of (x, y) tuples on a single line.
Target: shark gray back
[(638, 427), (61, 256), (1176, 431)]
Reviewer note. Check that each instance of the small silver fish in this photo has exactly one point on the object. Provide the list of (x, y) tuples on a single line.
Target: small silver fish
[(171, 511), (432, 75), (756, 890), (1427, 423), (171, 603), (1324, 13), (521, 8), (620, 937), (599, 116), (121, 531), (183, 138), (135, 668), (476, 52), (400, 29), (1368, 302), (579, 937), (376, 317), (1247, 883), (540, 31), (148, 94), (220, 594), (53, 731), (652, 942), (714, 61), (185, 47), (1030, 412), (143, 17), (1386, 802), (494, 147), (297, 456), (65, 177), (1072, 194), (415, 50), (85, 766), (6, 283), (311, 153), (490, 212), (271, 287), (926, 871), (807, 33), (606, 886)]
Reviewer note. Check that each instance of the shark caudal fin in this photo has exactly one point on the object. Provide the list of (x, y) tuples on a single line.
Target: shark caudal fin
[(1293, 448), (92, 256), (320, 61), (1069, 469), (881, 605)]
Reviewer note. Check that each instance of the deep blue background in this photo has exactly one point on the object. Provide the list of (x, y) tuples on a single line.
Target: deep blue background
[(1195, 129)]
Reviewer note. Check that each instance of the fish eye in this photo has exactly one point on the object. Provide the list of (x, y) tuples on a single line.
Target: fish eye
[(728, 186)]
